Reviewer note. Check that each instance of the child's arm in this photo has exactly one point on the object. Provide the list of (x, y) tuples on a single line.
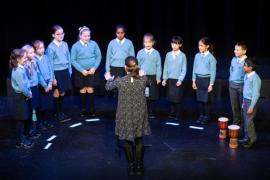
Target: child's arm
[(183, 70), (131, 50), (165, 71), (159, 69), (98, 56), (213, 64), (108, 57), (74, 62), (256, 83), (112, 84), (194, 75)]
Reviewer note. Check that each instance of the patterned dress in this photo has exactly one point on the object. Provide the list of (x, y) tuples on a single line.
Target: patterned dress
[(131, 115)]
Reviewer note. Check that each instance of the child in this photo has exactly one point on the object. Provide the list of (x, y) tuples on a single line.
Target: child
[(131, 116), (117, 51), (45, 67), (203, 77), (32, 72), (58, 52), (150, 63), (85, 58), (236, 81), (22, 97), (251, 94), (174, 72)]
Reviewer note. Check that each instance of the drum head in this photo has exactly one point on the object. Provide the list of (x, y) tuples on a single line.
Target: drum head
[(223, 119), (234, 127)]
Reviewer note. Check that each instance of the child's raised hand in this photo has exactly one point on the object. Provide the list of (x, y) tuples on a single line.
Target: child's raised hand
[(164, 83)]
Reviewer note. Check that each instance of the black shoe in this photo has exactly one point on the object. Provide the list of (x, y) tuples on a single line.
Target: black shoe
[(25, 144), (64, 118), (131, 169), (200, 119), (34, 135), (151, 116), (92, 114), (171, 116), (205, 120), (83, 113), (47, 124), (243, 141), (248, 144), (140, 169)]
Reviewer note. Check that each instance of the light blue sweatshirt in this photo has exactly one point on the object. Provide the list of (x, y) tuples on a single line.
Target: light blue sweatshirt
[(150, 63), (60, 56), (204, 66), (45, 68), (175, 66), (19, 81), (252, 86), (116, 53), (84, 57), (237, 72)]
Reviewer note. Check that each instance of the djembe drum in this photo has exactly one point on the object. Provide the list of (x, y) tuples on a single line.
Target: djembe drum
[(233, 133), (223, 124)]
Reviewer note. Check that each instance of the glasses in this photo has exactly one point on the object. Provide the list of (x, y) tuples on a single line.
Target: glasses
[(59, 34)]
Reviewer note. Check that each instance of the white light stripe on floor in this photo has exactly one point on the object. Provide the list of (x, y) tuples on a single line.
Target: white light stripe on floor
[(195, 127), (51, 138), (92, 120), (174, 124), (47, 146), (75, 125)]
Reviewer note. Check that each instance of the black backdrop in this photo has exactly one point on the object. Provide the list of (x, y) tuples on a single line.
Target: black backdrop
[(224, 21)]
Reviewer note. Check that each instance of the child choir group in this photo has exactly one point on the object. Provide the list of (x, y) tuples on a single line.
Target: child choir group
[(38, 74)]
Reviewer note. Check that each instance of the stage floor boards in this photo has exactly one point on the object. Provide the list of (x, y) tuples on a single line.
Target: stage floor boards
[(90, 151)]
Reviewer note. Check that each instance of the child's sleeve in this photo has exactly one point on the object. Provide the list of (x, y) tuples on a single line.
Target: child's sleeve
[(74, 62), (193, 70), (183, 69), (159, 69), (131, 50), (213, 65), (165, 69), (98, 56), (256, 83), (108, 57)]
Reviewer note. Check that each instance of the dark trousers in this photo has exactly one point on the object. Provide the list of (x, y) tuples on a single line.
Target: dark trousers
[(236, 97), (22, 129), (249, 127)]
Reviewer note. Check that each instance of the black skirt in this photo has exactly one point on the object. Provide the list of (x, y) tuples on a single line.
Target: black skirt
[(22, 107), (81, 81), (117, 71), (63, 80), (46, 98), (174, 93), (153, 87), (202, 84)]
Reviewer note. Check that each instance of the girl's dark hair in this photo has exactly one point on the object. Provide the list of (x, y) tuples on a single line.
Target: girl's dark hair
[(251, 62), (120, 26), (37, 43), (14, 56), (206, 41), (132, 66), (149, 35), (177, 40), (242, 44), (55, 28)]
